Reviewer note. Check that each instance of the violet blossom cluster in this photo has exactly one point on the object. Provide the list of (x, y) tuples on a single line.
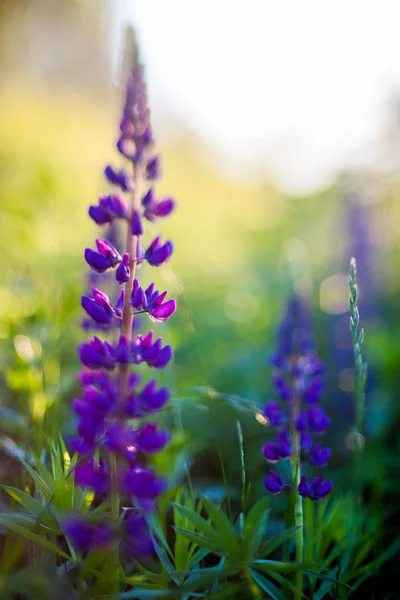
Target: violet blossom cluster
[(299, 421), (115, 430)]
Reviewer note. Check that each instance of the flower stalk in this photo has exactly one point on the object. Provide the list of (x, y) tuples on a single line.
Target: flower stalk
[(361, 367), (299, 384), (115, 435)]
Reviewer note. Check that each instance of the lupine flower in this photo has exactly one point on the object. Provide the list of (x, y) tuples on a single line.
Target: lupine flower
[(119, 178), (105, 259), (98, 307), (110, 398), (299, 385), (154, 208), (136, 540), (152, 302), (275, 483), (316, 490), (158, 254), (109, 209), (85, 535)]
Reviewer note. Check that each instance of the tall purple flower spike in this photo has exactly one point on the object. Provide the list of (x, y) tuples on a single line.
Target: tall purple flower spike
[(112, 451), (295, 415)]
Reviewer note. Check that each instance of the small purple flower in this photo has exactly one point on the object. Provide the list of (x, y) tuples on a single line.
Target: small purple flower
[(158, 254), (317, 490), (150, 440), (94, 477), (154, 209), (85, 535), (97, 354), (120, 438), (152, 302), (137, 225), (145, 350), (105, 259), (317, 420), (274, 483), (122, 352), (98, 307), (274, 414), (313, 392), (152, 400), (319, 457), (136, 536), (282, 387), (271, 452), (153, 168), (109, 209), (144, 485), (306, 441), (119, 178), (122, 274)]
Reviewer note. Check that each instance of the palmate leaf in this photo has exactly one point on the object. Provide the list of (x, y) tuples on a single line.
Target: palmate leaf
[(281, 567), (327, 578), (201, 524), (270, 546), (39, 510), (165, 561), (222, 525), (200, 578), (41, 483), (254, 527), (201, 540), (26, 527), (266, 585), (197, 557)]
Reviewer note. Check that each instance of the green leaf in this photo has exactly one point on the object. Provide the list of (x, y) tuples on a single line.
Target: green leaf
[(41, 483), (139, 594), (197, 557), (222, 525), (201, 524), (36, 508), (254, 526), (167, 564), (31, 535), (205, 577), (201, 540), (155, 527), (268, 587), (280, 567), (326, 578), (43, 472), (270, 546)]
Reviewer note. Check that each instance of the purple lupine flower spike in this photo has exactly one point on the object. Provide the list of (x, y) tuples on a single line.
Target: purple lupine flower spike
[(299, 384), (110, 397)]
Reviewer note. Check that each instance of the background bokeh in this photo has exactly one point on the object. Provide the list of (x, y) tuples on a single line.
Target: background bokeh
[(248, 229)]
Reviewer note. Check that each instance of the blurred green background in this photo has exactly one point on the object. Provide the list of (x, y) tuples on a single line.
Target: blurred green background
[(241, 247)]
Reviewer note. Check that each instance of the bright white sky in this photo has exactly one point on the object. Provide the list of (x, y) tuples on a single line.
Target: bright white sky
[(296, 87)]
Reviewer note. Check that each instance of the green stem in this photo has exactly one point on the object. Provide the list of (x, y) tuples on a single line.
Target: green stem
[(298, 506), (126, 330), (115, 519), (299, 522)]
